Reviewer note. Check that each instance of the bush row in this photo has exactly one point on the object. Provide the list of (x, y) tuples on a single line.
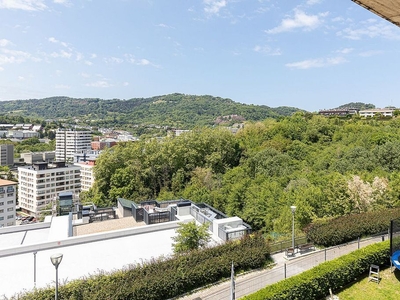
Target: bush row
[(165, 278), (335, 274), (348, 228)]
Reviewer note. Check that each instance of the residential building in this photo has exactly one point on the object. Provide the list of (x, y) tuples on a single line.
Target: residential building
[(338, 112), (101, 145), (7, 202), (369, 113), (42, 182), (69, 142), (6, 155), (83, 156), (32, 157), (87, 174)]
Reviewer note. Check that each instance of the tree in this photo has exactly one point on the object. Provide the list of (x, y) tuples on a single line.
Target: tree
[(190, 237)]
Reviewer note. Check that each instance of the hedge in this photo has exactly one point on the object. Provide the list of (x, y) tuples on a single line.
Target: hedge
[(316, 282), (165, 278), (348, 228)]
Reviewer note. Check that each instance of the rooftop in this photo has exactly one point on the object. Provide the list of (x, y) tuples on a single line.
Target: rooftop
[(387, 9)]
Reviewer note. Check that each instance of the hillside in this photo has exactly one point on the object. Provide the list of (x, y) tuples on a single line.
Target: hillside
[(176, 110)]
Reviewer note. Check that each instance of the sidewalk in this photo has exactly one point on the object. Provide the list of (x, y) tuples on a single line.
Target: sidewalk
[(284, 268)]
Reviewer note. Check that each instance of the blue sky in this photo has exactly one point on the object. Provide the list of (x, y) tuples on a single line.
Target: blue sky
[(310, 54)]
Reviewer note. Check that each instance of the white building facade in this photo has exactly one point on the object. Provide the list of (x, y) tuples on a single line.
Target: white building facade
[(69, 142), (87, 174), (7, 202), (42, 182)]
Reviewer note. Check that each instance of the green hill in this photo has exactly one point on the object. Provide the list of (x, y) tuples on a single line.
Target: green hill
[(176, 110)]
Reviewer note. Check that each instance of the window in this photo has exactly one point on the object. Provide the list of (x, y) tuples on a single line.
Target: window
[(1, 211), (10, 209), (10, 195), (1, 218), (10, 202), (10, 216), (1, 203)]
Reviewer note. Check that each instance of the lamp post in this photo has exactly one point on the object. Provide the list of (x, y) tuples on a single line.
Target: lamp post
[(34, 269), (293, 208), (56, 260)]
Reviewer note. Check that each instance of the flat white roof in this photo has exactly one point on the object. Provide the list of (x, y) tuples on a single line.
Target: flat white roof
[(83, 255)]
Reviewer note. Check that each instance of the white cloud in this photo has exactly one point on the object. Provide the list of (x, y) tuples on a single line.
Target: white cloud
[(23, 4), (267, 50), (1, 69), (299, 20), (345, 50), (79, 56), (214, 6), (21, 78), (4, 43), (62, 54), (125, 83), (55, 41), (371, 53), (85, 75), (88, 63), (312, 2), (62, 86), (13, 56), (316, 63), (99, 84), (143, 62), (93, 55), (114, 60), (65, 2), (370, 29)]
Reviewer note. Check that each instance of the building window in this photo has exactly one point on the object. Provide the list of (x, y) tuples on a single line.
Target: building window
[(10, 202), (10, 195), (1, 211), (1, 203), (1, 218), (10, 209), (10, 216)]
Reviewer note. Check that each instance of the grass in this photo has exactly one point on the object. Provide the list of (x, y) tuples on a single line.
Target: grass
[(387, 289)]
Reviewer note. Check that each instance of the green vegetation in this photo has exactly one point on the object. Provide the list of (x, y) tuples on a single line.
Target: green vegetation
[(191, 237), (327, 167), (164, 278), (176, 110), (387, 289), (335, 274), (347, 228)]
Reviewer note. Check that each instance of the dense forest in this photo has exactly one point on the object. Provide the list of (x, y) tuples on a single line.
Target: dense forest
[(174, 110), (327, 167)]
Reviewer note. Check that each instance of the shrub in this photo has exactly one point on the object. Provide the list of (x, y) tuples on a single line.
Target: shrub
[(165, 278), (348, 228), (335, 274)]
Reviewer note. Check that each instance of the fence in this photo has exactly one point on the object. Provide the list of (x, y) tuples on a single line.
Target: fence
[(283, 245), (254, 281)]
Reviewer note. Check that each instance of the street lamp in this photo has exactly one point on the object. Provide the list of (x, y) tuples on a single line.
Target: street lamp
[(34, 269), (293, 208), (56, 260)]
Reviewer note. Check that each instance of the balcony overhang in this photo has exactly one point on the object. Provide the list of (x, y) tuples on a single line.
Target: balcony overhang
[(386, 9)]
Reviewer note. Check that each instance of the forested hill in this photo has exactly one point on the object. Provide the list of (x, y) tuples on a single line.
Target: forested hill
[(178, 110)]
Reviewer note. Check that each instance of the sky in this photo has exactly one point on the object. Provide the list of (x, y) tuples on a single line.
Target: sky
[(309, 54)]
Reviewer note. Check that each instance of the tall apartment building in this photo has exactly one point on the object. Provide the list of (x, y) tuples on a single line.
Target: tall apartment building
[(69, 142), (6, 155), (7, 202), (42, 182), (87, 174)]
